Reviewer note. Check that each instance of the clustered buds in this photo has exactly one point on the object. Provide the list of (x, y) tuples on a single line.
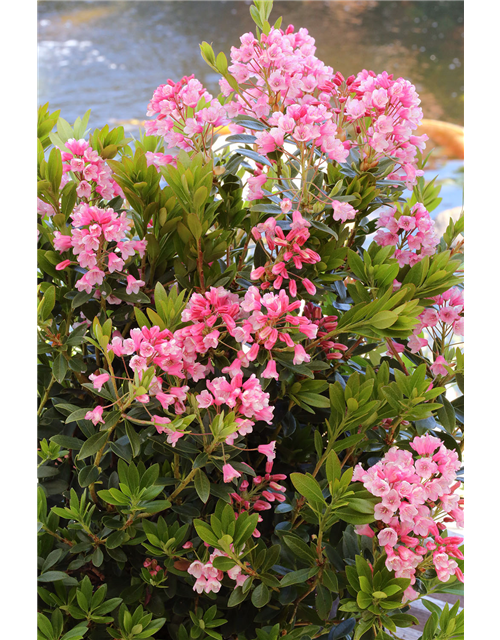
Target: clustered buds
[(326, 326)]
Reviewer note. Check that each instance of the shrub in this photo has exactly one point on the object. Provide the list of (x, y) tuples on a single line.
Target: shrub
[(245, 349)]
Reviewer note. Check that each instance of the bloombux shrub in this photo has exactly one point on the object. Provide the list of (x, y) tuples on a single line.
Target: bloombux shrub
[(249, 346)]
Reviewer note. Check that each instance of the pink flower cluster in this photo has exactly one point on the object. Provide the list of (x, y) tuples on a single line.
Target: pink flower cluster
[(418, 496), (305, 102), (92, 230), (289, 253), (302, 102), (181, 119), (208, 578), (174, 353), (265, 491), (413, 235), (90, 170), (440, 322), (325, 324), (177, 355), (246, 322), (255, 322), (281, 69), (394, 112), (246, 399)]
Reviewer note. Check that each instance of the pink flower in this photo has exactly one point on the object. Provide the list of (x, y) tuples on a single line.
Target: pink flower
[(438, 368), (115, 263), (95, 415), (448, 314), (204, 399), (241, 579), (310, 288), (343, 211), (99, 380), (355, 108), (415, 343), (172, 436), (391, 500), (425, 445), (62, 265), (425, 468), (62, 242), (387, 537), (196, 569), (160, 422), (133, 285), (409, 594), (270, 370), (268, 450), (230, 473), (300, 355), (364, 530)]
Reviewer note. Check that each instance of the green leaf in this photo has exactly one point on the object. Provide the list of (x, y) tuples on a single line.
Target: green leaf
[(260, 596), (237, 596), (296, 577), (308, 487), (299, 548), (54, 576), (44, 625), (314, 400), (245, 528), (205, 532), (115, 539), (333, 468), (60, 367), (253, 155), (354, 517), (343, 629), (93, 444), (324, 601), (202, 486), (384, 319), (194, 225), (223, 563), (446, 415), (330, 580), (67, 442), (133, 438)]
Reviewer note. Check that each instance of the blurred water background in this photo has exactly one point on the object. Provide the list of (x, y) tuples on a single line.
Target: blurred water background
[(110, 56)]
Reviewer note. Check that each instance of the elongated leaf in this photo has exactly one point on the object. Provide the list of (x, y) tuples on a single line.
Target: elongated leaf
[(307, 486), (202, 486), (93, 444), (297, 577)]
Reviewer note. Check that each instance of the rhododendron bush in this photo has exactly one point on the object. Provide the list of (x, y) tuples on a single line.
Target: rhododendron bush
[(250, 363)]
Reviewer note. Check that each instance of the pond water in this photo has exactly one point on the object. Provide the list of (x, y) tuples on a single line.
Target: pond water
[(110, 56)]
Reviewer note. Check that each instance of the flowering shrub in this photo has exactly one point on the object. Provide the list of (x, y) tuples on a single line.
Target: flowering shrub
[(248, 353)]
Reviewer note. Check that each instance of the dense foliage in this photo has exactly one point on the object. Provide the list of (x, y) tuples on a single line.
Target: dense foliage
[(249, 346)]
